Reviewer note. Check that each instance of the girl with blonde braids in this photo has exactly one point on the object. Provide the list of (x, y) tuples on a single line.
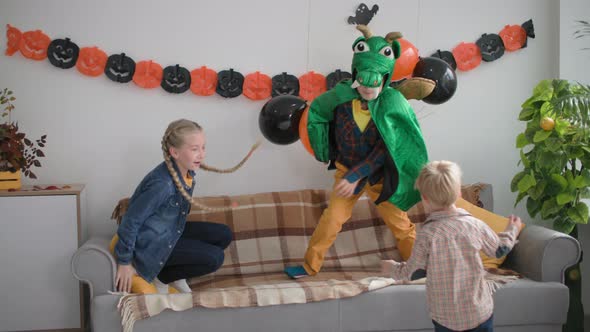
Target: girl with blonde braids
[(155, 243)]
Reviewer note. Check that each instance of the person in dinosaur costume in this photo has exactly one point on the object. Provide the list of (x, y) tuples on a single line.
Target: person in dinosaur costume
[(368, 131)]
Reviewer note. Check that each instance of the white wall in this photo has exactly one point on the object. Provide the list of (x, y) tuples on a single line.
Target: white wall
[(573, 65), (107, 135)]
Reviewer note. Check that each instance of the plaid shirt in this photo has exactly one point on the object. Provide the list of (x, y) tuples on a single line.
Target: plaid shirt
[(448, 247), (363, 153)]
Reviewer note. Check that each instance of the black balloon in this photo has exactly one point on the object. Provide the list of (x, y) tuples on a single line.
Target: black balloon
[(279, 119), (441, 72)]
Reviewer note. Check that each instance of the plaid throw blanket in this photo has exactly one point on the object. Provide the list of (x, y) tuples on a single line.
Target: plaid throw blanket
[(271, 231)]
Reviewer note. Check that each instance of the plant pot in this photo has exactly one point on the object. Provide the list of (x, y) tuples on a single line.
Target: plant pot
[(10, 180)]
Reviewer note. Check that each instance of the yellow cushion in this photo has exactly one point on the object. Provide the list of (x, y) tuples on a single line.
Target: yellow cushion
[(138, 284), (496, 222)]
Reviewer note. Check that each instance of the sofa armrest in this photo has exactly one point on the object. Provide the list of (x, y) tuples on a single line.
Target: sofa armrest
[(542, 254), (94, 265)]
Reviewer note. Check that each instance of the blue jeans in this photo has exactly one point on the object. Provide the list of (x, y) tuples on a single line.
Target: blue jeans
[(199, 251), (487, 326)]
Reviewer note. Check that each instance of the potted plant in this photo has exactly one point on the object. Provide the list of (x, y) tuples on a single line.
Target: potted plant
[(17, 153), (555, 161)]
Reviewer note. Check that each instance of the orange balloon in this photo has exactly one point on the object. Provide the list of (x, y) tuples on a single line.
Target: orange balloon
[(303, 132), (404, 65)]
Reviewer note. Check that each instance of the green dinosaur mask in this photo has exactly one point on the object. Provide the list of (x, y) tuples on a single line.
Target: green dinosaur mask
[(374, 59)]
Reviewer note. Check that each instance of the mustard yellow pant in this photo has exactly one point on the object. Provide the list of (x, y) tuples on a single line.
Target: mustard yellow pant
[(339, 211)]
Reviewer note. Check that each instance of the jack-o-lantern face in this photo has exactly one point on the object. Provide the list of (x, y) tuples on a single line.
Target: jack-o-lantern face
[(63, 53), (514, 37), (13, 36), (33, 45), (176, 79), (285, 84), (491, 47), (257, 86), (120, 68), (447, 57), (311, 85), (467, 55), (148, 74), (335, 77), (203, 81), (91, 61), (229, 83)]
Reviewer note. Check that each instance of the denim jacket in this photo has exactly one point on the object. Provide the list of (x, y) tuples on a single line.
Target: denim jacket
[(153, 222)]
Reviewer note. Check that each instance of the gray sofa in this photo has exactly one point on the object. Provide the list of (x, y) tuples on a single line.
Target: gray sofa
[(537, 303)]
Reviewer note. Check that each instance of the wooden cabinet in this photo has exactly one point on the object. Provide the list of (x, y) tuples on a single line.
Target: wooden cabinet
[(39, 232)]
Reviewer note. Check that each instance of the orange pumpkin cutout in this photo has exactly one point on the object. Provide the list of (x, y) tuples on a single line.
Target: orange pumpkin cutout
[(311, 85), (203, 81), (13, 36), (405, 64), (513, 36), (148, 74), (467, 56), (33, 45), (91, 61), (257, 86), (303, 136)]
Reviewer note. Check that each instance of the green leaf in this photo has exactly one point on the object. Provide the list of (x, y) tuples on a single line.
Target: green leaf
[(544, 90), (533, 207), (564, 225), (519, 198), (553, 144), (546, 109), (525, 161), (526, 182), (522, 141), (549, 160), (585, 193), (561, 126), (541, 135), (549, 208), (538, 190), (575, 152), (564, 198), (560, 180), (579, 213), (582, 180), (515, 180), (526, 114)]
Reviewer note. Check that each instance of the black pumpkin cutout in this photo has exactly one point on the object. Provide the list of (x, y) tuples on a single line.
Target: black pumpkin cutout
[(176, 79), (229, 83), (120, 68), (491, 46), (285, 84), (530, 31), (63, 53), (335, 77), (447, 57)]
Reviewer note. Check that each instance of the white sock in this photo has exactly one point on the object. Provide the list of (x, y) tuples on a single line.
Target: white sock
[(181, 285), (160, 286)]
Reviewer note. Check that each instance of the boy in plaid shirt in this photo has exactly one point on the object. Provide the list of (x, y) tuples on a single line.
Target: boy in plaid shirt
[(447, 249)]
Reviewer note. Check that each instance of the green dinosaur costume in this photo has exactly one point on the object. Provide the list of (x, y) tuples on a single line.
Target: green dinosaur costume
[(372, 66)]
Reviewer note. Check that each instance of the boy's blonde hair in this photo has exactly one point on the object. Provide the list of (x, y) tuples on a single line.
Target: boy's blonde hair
[(440, 183)]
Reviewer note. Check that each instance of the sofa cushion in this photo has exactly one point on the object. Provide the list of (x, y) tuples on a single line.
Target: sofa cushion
[(521, 302)]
